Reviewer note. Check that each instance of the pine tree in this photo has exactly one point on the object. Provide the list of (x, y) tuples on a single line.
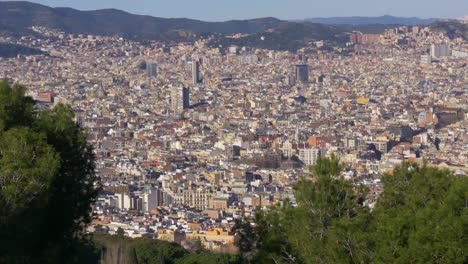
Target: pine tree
[(46, 180)]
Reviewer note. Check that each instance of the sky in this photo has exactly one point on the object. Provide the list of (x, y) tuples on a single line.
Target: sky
[(221, 10)]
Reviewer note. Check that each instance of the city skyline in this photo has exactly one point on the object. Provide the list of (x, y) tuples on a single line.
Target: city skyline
[(221, 11)]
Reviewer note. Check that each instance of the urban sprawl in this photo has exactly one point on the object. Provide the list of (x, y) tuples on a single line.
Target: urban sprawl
[(189, 138)]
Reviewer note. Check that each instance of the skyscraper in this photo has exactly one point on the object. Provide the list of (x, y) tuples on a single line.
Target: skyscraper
[(302, 73), (195, 72), (152, 69), (440, 50), (180, 100)]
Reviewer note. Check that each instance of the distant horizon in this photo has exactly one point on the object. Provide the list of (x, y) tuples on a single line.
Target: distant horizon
[(270, 9)]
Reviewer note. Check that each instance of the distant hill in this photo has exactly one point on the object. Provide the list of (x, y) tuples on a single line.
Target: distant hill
[(290, 36), (16, 17), (383, 20), (452, 28)]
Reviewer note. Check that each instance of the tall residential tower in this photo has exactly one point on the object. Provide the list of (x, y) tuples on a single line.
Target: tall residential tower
[(152, 69), (180, 100), (302, 73), (195, 72)]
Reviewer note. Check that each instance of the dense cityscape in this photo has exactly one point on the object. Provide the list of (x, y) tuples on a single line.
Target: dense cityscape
[(190, 139)]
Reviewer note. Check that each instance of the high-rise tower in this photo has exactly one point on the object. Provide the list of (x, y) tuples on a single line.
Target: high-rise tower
[(180, 100), (152, 69), (302, 73), (195, 72)]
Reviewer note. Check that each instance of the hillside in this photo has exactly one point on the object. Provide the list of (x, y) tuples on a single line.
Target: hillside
[(452, 28), (270, 33), (16, 17), (291, 36)]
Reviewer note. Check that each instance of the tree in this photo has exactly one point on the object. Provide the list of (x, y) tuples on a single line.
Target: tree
[(421, 217), (120, 232), (273, 244), (147, 251), (117, 249), (312, 231), (46, 180), (324, 204), (15, 108), (209, 258), (27, 165), (244, 230), (198, 245), (327, 167)]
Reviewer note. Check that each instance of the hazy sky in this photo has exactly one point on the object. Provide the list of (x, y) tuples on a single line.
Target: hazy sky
[(216, 10)]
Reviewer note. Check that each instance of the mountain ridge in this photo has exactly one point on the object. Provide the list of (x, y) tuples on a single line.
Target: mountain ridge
[(115, 21), (17, 16)]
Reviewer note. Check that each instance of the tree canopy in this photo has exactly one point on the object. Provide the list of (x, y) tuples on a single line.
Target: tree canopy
[(46, 180), (421, 217), (118, 249)]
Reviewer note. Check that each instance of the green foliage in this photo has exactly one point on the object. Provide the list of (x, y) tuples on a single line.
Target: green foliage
[(289, 235), (46, 180), (116, 22), (452, 28), (246, 234), (422, 217), (27, 166), (116, 249), (151, 252), (73, 188), (15, 108), (289, 36), (120, 232), (327, 167), (271, 229), (325, 208), (209, 258), (85, 252)]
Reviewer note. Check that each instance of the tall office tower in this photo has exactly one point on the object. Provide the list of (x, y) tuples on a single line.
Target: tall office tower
[(440, 50), (302, 73), (185, 98), (152, 69), (195, 72), (180, 100), (152, 198)]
